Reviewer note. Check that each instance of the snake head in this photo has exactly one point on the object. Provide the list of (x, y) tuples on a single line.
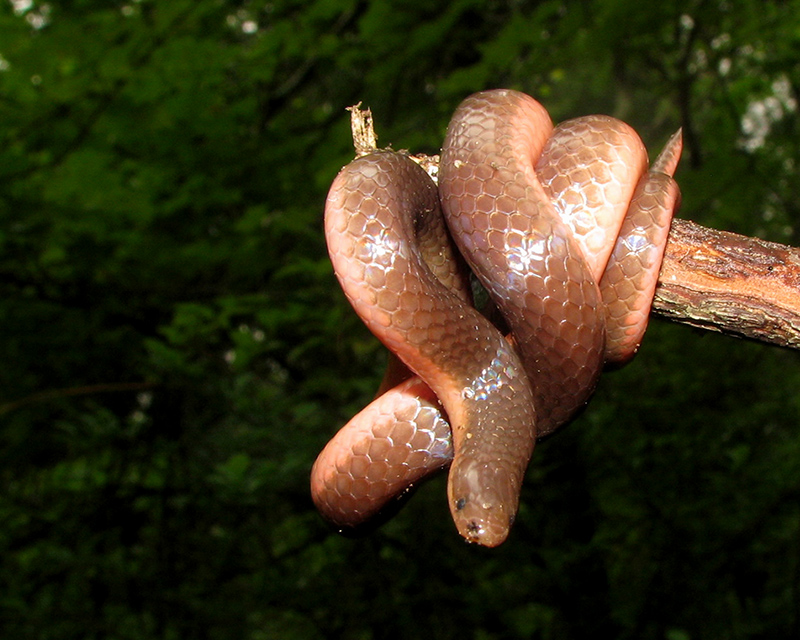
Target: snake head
[(483, 500)]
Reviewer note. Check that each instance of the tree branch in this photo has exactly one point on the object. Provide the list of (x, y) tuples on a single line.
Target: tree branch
[(729, 283), (711, 279)]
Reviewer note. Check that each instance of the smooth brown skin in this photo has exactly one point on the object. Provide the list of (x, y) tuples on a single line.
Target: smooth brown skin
[(403, 438), (629, 281), (382, 207), (474, 372)]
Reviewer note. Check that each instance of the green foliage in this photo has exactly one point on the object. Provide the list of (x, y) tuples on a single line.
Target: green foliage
[(177, 351)]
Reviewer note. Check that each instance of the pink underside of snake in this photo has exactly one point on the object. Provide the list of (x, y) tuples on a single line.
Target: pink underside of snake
[(565, 229)]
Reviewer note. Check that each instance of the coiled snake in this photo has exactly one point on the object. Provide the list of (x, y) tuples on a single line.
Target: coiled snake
[(564, 228)]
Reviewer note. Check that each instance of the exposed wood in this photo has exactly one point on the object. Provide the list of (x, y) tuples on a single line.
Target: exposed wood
[(730, 283), (361, 128), (715, 280)]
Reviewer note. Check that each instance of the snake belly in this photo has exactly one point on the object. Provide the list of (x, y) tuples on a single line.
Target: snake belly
[(529, 210)]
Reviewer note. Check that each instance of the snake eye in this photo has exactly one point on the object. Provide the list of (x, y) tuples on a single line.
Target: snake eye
[(461, 503)]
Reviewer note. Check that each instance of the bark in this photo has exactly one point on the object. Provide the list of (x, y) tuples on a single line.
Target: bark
[(715, 280), (730, 283)]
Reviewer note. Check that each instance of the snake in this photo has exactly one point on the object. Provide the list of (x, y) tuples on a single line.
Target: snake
[(563, 227)]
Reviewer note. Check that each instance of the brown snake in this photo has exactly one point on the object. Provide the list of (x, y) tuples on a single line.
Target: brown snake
[(564, 228)]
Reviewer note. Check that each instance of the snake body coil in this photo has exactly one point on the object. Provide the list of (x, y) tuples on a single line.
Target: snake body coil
[(540, 217)]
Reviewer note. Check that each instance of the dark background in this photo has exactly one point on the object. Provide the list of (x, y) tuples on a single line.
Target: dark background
[(175, 349)]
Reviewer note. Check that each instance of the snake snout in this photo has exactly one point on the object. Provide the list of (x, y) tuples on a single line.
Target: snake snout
[(483, 500)]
